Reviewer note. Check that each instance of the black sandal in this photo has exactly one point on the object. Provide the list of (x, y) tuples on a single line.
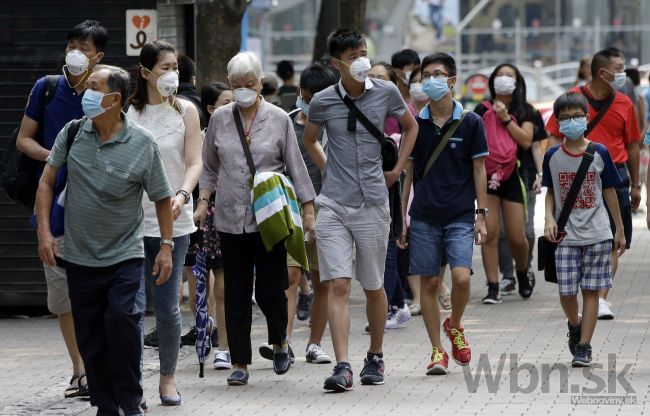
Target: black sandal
[(78, 390), (83, 388), (73, 388)]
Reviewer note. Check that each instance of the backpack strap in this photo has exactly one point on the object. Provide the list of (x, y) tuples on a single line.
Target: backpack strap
[(50, 88), (601, 113), (73, 129)]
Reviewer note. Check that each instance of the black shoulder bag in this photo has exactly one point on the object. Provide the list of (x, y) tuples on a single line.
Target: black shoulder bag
[(545, 248), (389, 154), (389, 151)]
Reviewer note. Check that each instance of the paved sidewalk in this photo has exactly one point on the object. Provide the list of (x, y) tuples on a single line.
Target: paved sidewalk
[(35, 369)]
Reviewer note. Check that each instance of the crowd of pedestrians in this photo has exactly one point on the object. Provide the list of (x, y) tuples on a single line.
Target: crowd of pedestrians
[(290, 192)]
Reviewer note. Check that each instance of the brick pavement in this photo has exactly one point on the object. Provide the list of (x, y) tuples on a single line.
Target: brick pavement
[(35, 370)]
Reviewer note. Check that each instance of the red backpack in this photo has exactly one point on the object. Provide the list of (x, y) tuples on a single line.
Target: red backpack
[(502, 160)]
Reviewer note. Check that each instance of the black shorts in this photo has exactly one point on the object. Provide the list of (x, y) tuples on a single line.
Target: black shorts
[(512, 189), (624, 205)]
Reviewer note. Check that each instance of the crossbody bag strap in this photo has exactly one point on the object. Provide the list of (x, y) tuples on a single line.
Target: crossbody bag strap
[(587, 158), (450, 132), (593, 123), (244, 142), (372, 129)]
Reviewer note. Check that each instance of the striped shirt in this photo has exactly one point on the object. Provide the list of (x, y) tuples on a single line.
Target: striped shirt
[(103, 201)]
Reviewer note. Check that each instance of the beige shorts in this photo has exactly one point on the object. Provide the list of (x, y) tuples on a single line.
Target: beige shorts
[(58, 301), (342, 232), (312, 256)]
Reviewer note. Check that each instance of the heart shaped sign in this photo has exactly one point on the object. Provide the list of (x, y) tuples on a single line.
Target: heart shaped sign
[(141, 22)]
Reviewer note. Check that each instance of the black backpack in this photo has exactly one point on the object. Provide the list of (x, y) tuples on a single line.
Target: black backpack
[(19, 174)]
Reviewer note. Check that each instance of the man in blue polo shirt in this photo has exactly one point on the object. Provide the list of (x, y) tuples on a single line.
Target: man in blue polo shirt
[(38, 130), (443, 215)]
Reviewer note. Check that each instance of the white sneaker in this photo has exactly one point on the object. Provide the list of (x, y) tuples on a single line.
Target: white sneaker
[(316, 355), (222, 360), (604, 310), (399, 318)]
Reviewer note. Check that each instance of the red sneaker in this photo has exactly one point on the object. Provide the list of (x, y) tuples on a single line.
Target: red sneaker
[(439, 363), (460, 350)]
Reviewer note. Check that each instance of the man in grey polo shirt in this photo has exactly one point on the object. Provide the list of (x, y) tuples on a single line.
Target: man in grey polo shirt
[(353, 204), (110, 164)]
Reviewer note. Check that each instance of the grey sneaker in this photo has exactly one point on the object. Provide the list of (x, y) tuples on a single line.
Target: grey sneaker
[(304, 306), (582, 357), (508, 286), (373, 371)]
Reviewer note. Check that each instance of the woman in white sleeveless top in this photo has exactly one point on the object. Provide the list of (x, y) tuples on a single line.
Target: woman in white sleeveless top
[(174, 124)]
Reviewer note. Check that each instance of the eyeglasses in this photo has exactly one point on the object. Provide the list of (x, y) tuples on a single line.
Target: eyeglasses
[(435, 74), (575, 117)]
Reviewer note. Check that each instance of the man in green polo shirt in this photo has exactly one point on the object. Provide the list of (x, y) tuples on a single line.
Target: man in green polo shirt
[(110, 164)]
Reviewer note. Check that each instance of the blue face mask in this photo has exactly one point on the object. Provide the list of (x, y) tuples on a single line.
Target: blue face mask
[(302, 106), (435, 88), (91, 103), (573, 128)]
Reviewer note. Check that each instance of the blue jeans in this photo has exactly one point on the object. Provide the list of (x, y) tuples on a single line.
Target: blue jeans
[(392, 280), (165, 300), (428, 240), (106, 313)]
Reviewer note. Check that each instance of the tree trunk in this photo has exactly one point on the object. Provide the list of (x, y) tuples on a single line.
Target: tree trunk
[(218, 29), (333, 14)]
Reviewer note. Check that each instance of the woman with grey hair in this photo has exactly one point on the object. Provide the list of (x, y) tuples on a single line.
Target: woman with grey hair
[(273, 146)]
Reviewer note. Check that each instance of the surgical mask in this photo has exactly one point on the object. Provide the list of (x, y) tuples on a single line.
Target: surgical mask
[(504, 85), (435, 88), (407, 77), (245, 97), (417, 93), (358, 68), (167, 83), (619, 80), (573, 128), (304, 107), (76, 62), (91, 103)]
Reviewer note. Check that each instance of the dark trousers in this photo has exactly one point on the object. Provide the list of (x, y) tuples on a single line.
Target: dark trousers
[(106, 319), (392, 280), (244, 255)]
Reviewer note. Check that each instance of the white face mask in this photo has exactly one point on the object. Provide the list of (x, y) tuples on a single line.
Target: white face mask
[(245, 97), (619, 80), (417, 93), (167, 83), (407, 77), (359, 69), (76, 62), (504, 85)]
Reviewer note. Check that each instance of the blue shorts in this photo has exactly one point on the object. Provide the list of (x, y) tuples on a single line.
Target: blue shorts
[(584, 267), (427, 242)]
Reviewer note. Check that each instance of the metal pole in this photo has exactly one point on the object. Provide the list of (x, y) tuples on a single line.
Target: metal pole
[(558, 46), (517, 42), (463, 23)]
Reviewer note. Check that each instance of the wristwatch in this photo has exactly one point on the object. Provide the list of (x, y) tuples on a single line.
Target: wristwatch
[(482, 211), (637, 185), (185, 194), (170, 243)]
